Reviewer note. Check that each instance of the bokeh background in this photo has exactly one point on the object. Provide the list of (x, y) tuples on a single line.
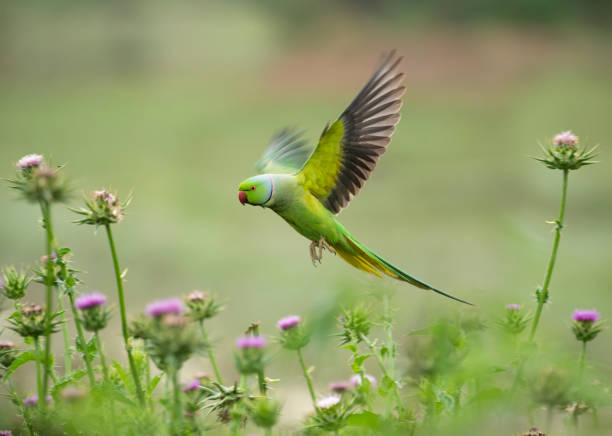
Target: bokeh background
[(177, 100)]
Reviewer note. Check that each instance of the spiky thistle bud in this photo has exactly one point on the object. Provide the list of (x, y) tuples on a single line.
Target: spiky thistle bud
[(250, 355), (201, 305), (38, 182), (586, 325), (8, 352), (355, 324), (13, 283), (294, 335), (515, 321), (94, 314), (102, 208), (263, 411), (29, 321), (565, 153)]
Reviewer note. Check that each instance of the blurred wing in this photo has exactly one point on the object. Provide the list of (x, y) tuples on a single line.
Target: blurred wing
[(286, 154), (349, 149)]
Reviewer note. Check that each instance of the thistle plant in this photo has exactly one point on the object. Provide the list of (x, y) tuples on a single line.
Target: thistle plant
[(13, 283), (565, 154), (94, 317), (586, 327), (103, 208), (38, 182)]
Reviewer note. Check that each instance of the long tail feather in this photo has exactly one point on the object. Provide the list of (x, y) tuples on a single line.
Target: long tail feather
[(366, 260)]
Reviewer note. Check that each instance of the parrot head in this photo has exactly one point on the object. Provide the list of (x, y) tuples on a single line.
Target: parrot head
[(256, 190)]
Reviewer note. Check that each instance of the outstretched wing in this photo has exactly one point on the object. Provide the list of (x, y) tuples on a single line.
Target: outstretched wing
[(349, 149), (286, 153)]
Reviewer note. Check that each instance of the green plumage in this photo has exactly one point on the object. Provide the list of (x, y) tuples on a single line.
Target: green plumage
[(308, 187)]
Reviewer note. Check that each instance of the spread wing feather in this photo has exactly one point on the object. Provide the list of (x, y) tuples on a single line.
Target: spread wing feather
[(349, 149), (286, 153)]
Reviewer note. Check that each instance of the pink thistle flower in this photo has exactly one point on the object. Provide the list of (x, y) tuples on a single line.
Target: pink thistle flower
[(288, 322), (164, 307), (356, 380), (340, 387), (5, 433), (29, 161), (251, 342), (565, 139), (192, 385), (513, 307), (33, 400), (90, 301), (587, 316)]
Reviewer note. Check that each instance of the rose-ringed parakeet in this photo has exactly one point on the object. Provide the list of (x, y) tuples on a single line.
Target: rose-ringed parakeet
[(307, 188)]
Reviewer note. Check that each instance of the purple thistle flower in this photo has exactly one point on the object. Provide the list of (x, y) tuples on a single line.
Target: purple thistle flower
[(251, 342), (355, 380), (328, 402), (588, 316), (192, 385), (5, 433), (89, 301), (513, 307), (565, 139), (288, 322), (29, 161), (164, 307), (33, 400), (340, 387)]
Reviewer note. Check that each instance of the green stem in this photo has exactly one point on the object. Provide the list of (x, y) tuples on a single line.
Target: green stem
[(50, 241), (77, 322), (581, 360), (307, 377), (102, 358), (543, 292), (39, 384), (67, 352), (211, 355), (148, 380), (19, 404), (124, 328), (261, 380), (176, 411)]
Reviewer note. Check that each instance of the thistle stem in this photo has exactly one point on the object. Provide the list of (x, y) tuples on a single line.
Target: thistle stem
[(543, 292), (45, 208), (67, 352), (81, 337), (124, 329), (261, 380), (19, 404), (176, 398), (101, 353), (581, 360), (307, 377), (211, 355), (41, 393)]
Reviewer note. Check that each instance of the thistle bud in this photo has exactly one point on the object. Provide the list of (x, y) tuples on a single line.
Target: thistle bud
[(29, 320), (170, 339), (37, 181), (293, 334), (201, 305), (586, 326), (330, 414), (14, 283), (263, 411), (340, 387), (357, 380), (514, 321), (33, 400), (250, 355), (94, 315), (565, 153), (355, 324), (8, 352), (102, 208)]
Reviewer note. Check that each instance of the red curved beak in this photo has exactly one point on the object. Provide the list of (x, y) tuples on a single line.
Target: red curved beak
[(242, 197)]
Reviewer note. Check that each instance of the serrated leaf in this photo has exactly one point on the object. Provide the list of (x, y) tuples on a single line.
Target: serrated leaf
[(91, 347), (67, 379), (351, 347), (154, 382), (21, 359)]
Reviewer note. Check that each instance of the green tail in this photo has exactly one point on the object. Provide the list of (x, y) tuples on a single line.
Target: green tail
[(364, 255)]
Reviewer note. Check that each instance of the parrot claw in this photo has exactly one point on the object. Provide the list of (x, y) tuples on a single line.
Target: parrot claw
[(320, 245)]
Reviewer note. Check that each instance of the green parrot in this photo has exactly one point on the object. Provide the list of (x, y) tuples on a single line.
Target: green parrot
[(307, 187)]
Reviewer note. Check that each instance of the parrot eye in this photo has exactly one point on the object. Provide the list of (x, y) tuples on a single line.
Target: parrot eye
[(252, 188)]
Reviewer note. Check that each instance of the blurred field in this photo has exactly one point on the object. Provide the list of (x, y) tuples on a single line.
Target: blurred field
[(177, 103)]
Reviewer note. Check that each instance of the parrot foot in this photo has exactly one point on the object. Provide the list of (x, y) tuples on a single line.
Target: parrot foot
[(320, 245)]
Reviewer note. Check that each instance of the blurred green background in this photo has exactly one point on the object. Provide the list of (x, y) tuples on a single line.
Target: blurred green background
[(176, 101)]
